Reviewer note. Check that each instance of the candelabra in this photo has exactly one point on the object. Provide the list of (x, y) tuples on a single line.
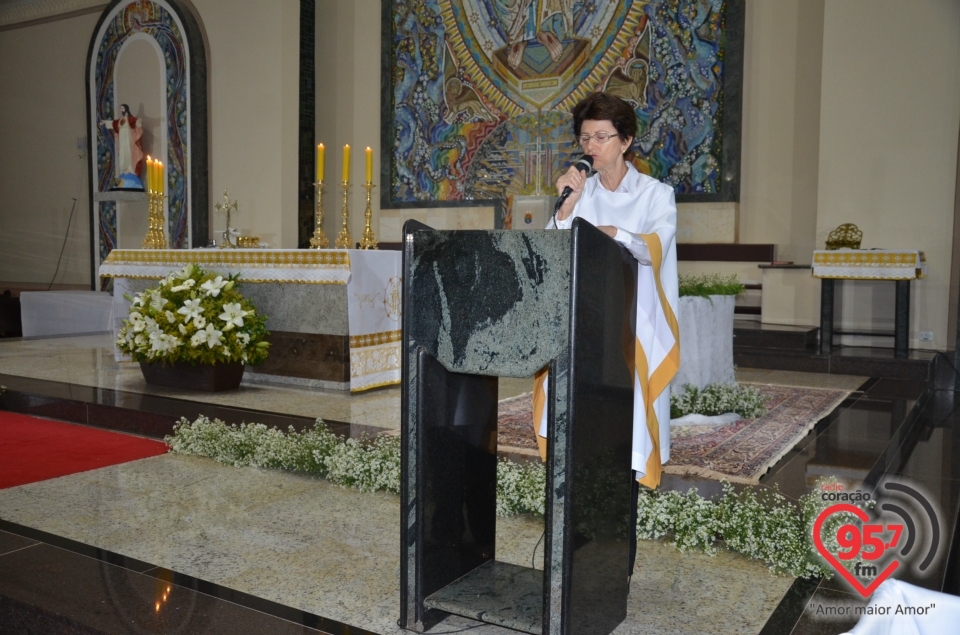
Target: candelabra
[(344, 241), (369, 241), (319, 240), (155, 238)]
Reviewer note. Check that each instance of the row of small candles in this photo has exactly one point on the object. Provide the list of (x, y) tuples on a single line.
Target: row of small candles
[(321, 153), (156, 176)]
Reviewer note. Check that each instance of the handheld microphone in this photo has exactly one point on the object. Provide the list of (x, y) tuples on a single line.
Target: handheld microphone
[(583, 164)]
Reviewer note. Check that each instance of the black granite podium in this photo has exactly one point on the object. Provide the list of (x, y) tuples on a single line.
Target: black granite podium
[(483, 304)]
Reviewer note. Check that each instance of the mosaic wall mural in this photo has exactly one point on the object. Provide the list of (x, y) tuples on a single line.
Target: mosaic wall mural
[(155, 20), (482, 91)]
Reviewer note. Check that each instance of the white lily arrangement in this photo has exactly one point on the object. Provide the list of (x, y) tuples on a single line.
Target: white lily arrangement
[(194, 316)]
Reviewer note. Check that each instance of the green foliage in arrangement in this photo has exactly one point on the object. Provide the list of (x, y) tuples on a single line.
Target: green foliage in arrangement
[(706, 285), (194, 316), (759, 524), (717, 399)]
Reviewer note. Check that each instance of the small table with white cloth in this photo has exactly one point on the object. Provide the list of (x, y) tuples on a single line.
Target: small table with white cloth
[(333, 315), (898, 265)]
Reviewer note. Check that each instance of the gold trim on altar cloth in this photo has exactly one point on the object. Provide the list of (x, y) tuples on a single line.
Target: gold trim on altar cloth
[(376, 365), (255, 257), (243, 279), (869, 264), (374, 339)]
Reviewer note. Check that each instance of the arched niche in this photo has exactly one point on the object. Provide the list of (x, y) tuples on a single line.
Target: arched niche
[(150, 54)]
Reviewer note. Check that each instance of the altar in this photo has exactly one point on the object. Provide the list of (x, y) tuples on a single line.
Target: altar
[(333, 314)]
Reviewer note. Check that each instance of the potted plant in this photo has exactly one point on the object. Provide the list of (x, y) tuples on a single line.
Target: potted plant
[(194, 330)]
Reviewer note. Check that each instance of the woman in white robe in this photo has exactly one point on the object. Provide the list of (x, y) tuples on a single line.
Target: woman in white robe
[(640, 213)]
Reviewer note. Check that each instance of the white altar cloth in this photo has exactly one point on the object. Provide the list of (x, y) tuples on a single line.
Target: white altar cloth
[(869, 264), (706, 342), (372, 278), (311, 266)]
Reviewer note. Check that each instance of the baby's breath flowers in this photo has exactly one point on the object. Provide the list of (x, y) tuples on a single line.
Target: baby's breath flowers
[(366, 464), (757, 523), (717, 399), (194, 316)]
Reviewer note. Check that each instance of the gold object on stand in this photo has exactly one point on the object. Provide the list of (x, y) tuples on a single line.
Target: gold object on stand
[(319, 240), (343, 240), (369, 241), (847, 236), (227, 206), (155, 238), (248, 242)]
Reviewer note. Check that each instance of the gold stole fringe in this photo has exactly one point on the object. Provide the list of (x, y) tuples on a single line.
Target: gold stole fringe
[(650, 390), (660, 380)]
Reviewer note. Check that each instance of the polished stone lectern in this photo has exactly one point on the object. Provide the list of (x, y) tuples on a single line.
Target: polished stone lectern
[(483, 304)]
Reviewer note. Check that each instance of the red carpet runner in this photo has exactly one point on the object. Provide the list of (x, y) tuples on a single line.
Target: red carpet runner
[(33, 449)]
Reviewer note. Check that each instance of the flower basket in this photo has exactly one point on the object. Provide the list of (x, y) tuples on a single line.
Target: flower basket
[(186, 376), (194, 330)]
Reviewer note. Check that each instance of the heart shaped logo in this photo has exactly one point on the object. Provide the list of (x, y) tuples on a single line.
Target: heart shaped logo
[(865, 591)]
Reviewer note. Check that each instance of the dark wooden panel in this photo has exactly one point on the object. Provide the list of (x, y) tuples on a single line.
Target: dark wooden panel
[(307, 355), (726, 252), (10, 325), (387, 246)]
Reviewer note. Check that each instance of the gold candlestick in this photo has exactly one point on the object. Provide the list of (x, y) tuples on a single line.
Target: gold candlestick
[(155, 237), (319, 240), (369, 241), (344, 241), (227, 206)]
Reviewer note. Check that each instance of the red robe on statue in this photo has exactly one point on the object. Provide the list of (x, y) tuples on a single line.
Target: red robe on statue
[(129, 151)]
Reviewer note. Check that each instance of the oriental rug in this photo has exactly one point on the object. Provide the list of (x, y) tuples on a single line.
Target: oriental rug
[(740, 452)]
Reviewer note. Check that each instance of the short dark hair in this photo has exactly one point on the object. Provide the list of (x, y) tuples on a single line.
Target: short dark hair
[(606, 107)]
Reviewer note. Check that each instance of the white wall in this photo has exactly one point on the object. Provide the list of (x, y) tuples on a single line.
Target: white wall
[(253, 55), (254, 110), (781, 112), (42, 114), (348, 106), (890, 113)]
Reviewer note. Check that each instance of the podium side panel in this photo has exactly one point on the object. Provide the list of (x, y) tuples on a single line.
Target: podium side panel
[(458, 472), (598, 435), (491, 303)]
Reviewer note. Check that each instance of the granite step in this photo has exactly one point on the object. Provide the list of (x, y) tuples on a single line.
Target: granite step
[(756, 334), (918, 365)]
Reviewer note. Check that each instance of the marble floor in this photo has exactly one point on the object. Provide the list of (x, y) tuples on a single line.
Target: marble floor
[(89, 361), (307, 544), (240, 550)]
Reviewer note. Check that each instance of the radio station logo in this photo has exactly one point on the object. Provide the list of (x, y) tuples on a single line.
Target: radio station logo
[(901, 528)]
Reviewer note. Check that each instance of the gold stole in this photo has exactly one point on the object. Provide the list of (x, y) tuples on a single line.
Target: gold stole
[(650, 389)]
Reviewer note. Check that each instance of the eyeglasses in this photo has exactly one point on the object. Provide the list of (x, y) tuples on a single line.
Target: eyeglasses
[(599, 137)]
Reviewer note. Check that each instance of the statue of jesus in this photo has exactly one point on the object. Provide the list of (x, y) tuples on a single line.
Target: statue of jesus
[(128, 153)]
